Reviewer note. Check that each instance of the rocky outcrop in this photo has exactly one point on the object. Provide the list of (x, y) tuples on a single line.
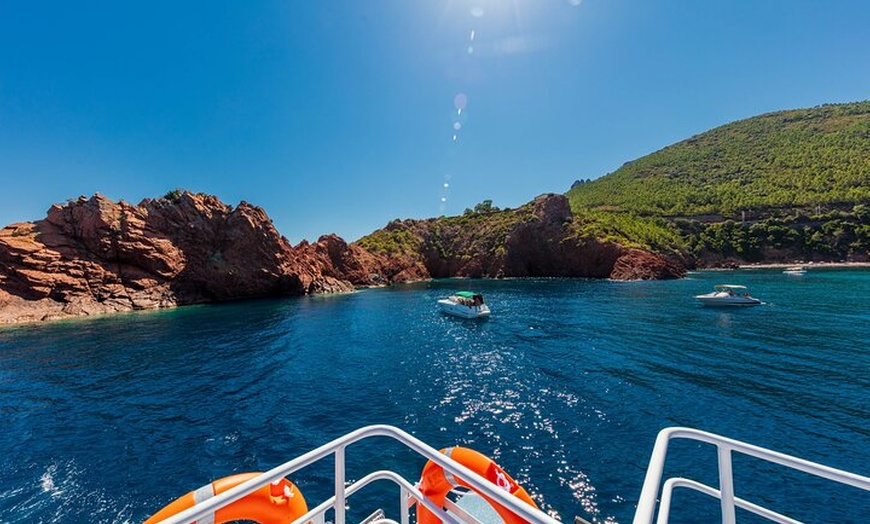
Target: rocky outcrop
[(546, 244), (336, 258), (540, 239), (636, 264), (96, 256)]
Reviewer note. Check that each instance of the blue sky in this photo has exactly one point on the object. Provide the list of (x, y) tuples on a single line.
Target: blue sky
[(338, 116)]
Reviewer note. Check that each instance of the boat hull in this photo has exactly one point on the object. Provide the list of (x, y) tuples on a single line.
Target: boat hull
[(461, 310), (726, 300)]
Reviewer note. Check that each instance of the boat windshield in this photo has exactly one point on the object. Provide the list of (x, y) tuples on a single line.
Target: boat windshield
[(468, 298)]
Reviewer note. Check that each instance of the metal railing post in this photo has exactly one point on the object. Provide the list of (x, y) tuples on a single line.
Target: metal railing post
[(403, 505), (340, 501), (726, 485), (646, 504)]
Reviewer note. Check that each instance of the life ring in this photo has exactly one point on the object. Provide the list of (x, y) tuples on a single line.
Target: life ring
[(277, 503), (435, 484)]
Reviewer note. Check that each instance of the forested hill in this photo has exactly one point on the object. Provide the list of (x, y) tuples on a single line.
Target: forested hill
[(805, 158), (780, 187)]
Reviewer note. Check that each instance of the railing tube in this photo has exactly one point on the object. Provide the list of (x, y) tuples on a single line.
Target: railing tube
[(340, 497), (403, 505), (726, 485), (646, 504), (336, 449)]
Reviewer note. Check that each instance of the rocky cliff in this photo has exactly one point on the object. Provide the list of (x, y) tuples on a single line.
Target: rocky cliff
[(540, 239), (95, 256)]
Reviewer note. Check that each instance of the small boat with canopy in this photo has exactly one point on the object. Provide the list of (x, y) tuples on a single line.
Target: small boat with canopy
[(465, 304)]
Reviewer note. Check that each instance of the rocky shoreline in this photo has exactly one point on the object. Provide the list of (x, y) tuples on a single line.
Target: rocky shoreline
[(807, 265), (95, 256)]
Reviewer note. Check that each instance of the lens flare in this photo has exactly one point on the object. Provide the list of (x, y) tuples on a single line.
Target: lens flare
[(460, 101)]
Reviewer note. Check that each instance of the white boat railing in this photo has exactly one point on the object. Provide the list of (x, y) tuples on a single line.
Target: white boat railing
[(652, 486), (408, 493)]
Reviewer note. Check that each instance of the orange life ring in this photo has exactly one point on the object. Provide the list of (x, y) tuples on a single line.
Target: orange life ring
[(276, 503), (435, 484)]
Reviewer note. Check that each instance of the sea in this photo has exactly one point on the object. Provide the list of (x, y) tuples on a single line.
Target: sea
[(566, 385)]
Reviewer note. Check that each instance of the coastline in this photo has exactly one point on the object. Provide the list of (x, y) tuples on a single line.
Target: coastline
[(806, 265)]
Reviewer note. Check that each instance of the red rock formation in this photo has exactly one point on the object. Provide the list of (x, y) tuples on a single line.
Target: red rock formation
[(635, 264), (536, 240), (545, 245), (337, 259), (96, 256)]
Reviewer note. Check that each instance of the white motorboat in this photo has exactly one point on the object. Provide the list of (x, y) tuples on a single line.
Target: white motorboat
[(728, 295), (486, 493), (464, 304), (795, 270)]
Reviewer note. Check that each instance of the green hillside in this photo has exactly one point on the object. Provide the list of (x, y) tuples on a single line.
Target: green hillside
[(803, 158), (780, 186)]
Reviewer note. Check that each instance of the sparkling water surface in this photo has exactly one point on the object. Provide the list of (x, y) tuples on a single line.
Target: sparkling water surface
[(566, 386)]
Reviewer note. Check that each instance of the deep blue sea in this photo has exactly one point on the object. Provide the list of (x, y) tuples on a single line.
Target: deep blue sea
[(566, 385)]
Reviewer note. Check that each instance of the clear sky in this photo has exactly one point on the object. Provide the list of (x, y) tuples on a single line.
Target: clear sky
[(339, 116)]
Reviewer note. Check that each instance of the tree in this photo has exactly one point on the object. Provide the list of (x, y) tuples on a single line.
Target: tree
[(484, 208)]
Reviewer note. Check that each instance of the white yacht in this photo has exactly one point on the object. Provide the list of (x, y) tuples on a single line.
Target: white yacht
[(728, 295)]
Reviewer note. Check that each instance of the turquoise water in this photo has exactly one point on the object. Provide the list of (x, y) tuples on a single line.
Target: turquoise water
[(566, 386)]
